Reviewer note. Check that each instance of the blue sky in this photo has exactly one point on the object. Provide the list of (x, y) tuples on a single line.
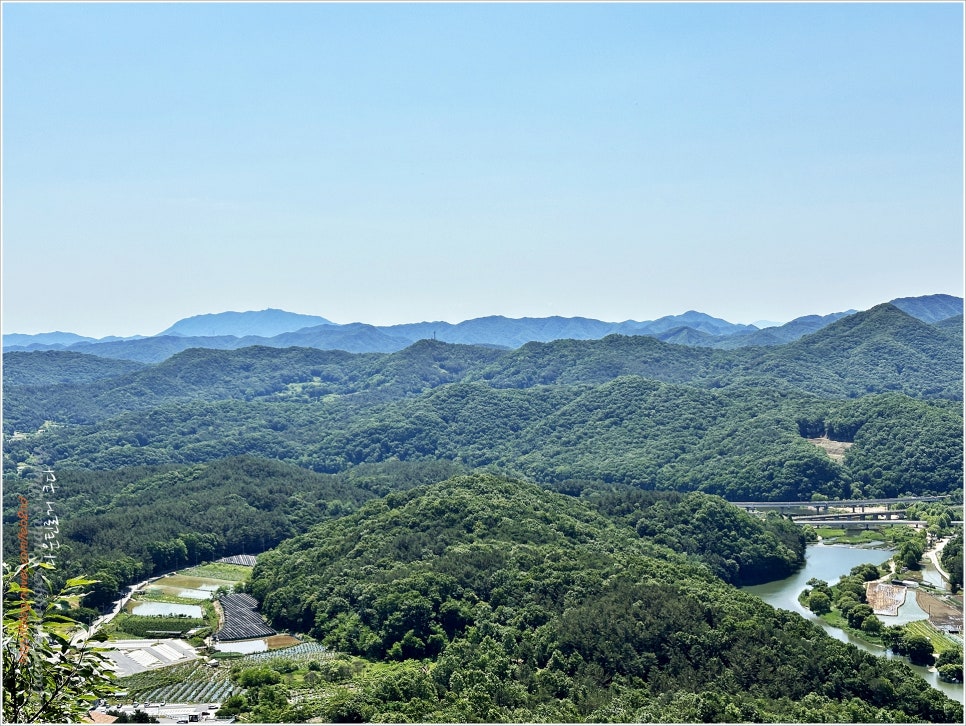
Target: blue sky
[(391, 163)]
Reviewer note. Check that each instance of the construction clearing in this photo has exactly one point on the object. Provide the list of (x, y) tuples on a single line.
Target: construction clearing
[(885, 598)]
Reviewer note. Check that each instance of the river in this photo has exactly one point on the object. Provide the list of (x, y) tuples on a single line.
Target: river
[(829, 563)]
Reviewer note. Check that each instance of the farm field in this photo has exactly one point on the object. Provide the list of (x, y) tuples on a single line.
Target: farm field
[(940, 641), (220, 571), (194, 682), (198, 682), (884, 598)]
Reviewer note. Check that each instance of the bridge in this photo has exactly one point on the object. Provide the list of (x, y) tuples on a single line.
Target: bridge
[(837, 503), (861, 523), (892, 514)]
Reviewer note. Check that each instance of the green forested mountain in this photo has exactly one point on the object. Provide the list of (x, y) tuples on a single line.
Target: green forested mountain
[(129, 523), (52, 367), (739, 548), (952, 327), (742, 444), (931, 308), (876, 351), (882, 349), (523, 605), (250, 373)]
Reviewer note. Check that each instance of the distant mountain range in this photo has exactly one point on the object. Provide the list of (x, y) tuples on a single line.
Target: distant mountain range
[(281, 329)]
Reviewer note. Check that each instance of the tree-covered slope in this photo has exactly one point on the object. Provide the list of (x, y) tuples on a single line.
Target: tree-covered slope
[(739, 548), (137, 521), (743, 444), (882, 349), (52, 367), (527, 606), (930, 308), (256, 372), (623, 409), (879, 350)]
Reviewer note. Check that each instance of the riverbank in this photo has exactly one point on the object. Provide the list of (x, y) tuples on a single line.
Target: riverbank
[(829, 562)]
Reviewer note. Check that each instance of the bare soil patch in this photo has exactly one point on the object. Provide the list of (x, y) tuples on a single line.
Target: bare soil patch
[(281, 641), (835, 449), (940, 612)]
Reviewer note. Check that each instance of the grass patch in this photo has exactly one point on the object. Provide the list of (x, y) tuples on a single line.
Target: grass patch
[(211, 615), (219, 571), (829, 533), (126, 626), (190, 582), (861, 536), (837, 620)]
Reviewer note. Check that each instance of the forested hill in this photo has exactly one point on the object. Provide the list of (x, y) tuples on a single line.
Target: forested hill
[(49, 367), (515, 604), (879, 350), (622, 409)]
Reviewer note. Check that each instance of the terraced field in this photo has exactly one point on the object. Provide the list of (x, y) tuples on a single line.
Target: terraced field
[(193, 682), (940, 642), (197, 682)]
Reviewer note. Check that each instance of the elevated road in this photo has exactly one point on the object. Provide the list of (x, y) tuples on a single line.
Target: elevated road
[(862, 523), (880, 514), (837, 503)]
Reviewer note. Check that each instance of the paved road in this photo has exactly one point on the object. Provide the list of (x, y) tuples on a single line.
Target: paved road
[(933, 555)]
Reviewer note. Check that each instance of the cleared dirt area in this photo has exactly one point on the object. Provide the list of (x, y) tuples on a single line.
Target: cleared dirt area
[(885, 599), (940, 612), (835, 449), (281, 641)]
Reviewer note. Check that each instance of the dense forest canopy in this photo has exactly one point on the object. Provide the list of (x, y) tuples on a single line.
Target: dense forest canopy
[(880, 350), (589, 619), (623, 409), (739, 443)]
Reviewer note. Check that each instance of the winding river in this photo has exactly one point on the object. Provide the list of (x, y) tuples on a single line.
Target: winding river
[(829, 563)]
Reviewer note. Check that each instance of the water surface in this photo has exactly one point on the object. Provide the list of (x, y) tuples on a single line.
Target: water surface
[(830, 563), (167, 609)]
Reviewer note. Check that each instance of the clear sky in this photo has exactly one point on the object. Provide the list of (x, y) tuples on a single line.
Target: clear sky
[(390, 163)]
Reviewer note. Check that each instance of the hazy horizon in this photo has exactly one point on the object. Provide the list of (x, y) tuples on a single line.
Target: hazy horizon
[(761, 322)]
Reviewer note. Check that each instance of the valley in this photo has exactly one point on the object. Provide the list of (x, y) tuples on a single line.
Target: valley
[(455, 532)]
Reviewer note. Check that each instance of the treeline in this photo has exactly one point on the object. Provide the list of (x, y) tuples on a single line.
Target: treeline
[(125, 525), (951, 559), (50, 368), (504, 602)]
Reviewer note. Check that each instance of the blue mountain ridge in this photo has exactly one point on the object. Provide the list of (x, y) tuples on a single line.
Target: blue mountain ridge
[(278, 328)]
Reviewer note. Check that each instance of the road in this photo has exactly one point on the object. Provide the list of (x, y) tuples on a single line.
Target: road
[(83, 635), (933, 554)]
